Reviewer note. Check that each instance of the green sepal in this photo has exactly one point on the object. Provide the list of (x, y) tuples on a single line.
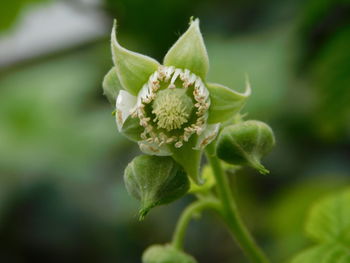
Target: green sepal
[(225, 102), (189, 159), (111, 85), (132, 129), (165, 254), (133, 69), (245, 143), (189, 52), (155, 180)]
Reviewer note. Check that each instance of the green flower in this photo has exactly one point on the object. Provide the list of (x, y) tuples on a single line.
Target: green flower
[(170, 109)]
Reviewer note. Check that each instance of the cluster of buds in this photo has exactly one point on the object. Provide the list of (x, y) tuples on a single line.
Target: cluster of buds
[(170, 109), (173, 113)]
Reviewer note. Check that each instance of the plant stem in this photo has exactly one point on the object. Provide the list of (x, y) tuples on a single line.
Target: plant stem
[(186, 216), (230, 212)]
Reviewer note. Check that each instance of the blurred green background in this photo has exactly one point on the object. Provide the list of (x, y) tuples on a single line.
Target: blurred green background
[(62, 197)]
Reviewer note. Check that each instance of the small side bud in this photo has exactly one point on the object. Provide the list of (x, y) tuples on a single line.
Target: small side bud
[(155, 180), (245, 143), (165, 254)]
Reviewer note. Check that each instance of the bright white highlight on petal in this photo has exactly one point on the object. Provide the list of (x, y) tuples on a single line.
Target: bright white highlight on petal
[(144, 94), (207, 136), (124, 105)]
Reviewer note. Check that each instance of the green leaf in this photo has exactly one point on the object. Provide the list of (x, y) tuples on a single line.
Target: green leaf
[(286, 216), (329, 224), (329, 220), (326, 253), (189, 52), (132, 129), (133, 69), (224, 102), (189, 159), (111, 85)]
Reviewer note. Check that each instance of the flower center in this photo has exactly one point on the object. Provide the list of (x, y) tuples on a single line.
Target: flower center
[(172, 108)]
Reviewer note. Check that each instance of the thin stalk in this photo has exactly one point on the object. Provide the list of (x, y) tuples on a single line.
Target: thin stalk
[(231, 214), (186, 216)]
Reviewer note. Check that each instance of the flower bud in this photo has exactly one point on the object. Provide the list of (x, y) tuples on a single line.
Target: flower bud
[(245, 143), (155, 180), (165, 254)]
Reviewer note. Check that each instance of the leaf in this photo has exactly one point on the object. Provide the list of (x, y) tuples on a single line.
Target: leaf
[(326, 253), (329, 220), (286, 217), (133, 69), (111, 85), (329, 224), (224, 102), (189, 52)]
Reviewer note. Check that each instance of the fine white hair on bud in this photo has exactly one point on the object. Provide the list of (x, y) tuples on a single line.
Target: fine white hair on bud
[(171, 106)]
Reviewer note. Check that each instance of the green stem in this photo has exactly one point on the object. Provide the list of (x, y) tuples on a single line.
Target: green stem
[(230, 212), (186, 216)]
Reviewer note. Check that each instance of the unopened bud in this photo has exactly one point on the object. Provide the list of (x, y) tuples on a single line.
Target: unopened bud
[(245, 143), (155, 180), (165, 254)]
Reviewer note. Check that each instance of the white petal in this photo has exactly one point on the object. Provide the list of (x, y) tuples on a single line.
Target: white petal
[(144, 93), (175, 75), (168, 72), (124, 104), (192, 79), (154, 149), (153, 78), (203, 90), (207, 136)]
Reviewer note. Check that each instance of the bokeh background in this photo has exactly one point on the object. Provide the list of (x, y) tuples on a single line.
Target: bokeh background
[(62, 196)]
